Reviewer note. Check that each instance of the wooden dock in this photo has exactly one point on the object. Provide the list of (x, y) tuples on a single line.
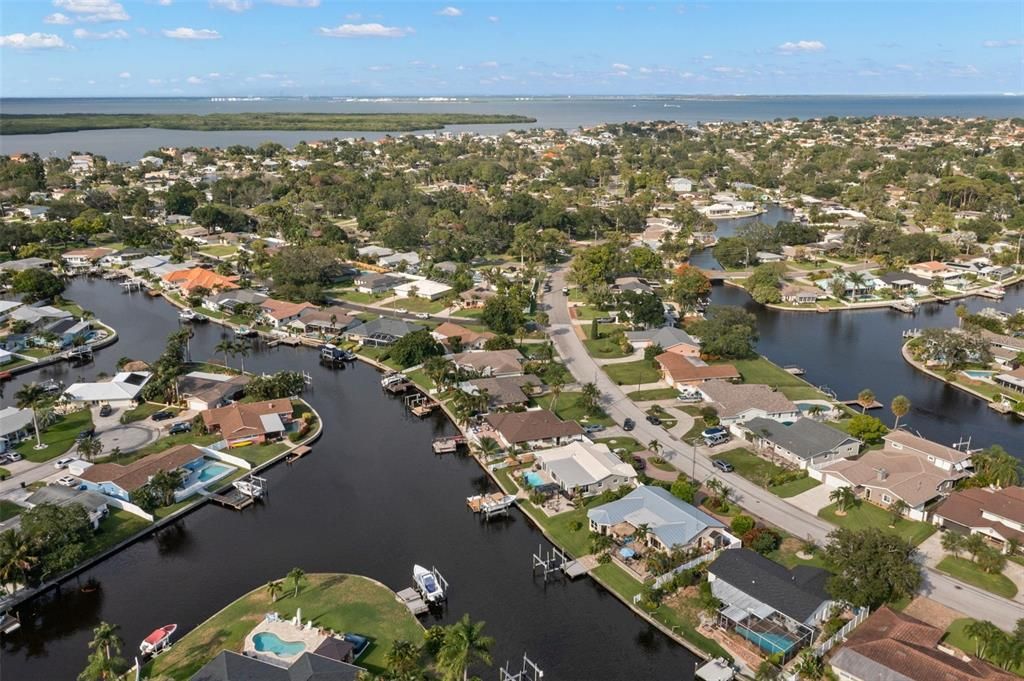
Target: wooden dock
[(234, 498), (854, 403), (398, 388), (412, 600), (794, 369), (297, 453), (448, 444)]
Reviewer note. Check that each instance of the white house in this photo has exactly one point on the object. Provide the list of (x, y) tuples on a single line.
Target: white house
[(120, 391), (422, 288), (738, 403), (680, 185), (15, 426), (585, 468)]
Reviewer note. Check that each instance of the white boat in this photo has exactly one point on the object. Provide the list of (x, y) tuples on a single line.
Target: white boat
[(248, 488), (199, 317), (427, 584), (391, 379), (187, 315), (158, 640)]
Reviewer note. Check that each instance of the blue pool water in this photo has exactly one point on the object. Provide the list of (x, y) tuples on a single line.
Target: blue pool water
[(978, 374), (267, 642), (533, 479), (212, 470), (770, 643)]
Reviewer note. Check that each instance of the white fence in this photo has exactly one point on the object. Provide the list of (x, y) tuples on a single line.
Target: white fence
[(129, 507), (699, 560), (859, 616)]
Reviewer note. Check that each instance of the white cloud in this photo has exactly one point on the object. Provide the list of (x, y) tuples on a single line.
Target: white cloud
[(621, 67), (185, 33), (1002, 43), (802, 46), (644, 69), (489, 64), (116, 34), (59, 19), (378, 68), (295, 3), (365, 31), (964, 72), (232, 5), (155, 81), (32, 41), (194, 80), (493, 19), (450, 11), (726, 69), (93, 10), (125, 74), (164, 3)]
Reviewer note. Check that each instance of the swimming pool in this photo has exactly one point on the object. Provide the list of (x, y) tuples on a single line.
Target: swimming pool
[(212, 471), (533, 479), (268, 642), (770, 643), (978, 374)]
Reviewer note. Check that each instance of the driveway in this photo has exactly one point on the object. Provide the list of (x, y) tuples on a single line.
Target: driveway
[(111, 433), (813, 500)]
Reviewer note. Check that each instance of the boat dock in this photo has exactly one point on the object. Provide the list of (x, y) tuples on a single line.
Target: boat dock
[(290, 341), (412, 600), (993, 293), (491, 505), (398, 387), (794, 369), (420, 405), (448, 444), (912, 333), (234, 498), (854, 403), (298, 453), (907, 306)]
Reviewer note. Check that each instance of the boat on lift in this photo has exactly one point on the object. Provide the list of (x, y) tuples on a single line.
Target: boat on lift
[(158, 640), (187, 315), (248, 488), (427, 584)]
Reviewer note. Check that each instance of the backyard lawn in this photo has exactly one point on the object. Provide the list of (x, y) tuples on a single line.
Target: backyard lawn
[(60, 437), (219, 250), (866, 514), (604, 348), (967, 571), (958, 638), (633, 373), (791, 489), (760, 370), (114, 529), (749, 465), (417, 305), (343, 603), (568, 408), (357, 297), (630, 444), (9, 509)]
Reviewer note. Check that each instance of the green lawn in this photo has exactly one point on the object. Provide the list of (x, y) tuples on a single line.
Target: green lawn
[(114, 529), (144, 411), (761, 370), (655, 394), (632, 373), (38, 353), (749, 465), (60, 437), (628, 443), (604, 348), (786, 554), (958, 638), (791, 489), (354, 296), (568, 408), (417, 305), (344, 603), (259, 454), (191, 438), (576, 542), (588, 312), (219, 250), (618, 580), (9, 509), (867, 514), (967, 571)]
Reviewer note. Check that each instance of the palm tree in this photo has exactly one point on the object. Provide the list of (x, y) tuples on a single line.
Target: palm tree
[(489, 447), (952, 543), (32, 396), (900, 407), (464, 644), (296, 576), (17, 557), (241, 348), (403, 661), (843, 497), (274, 589), (815, 411), (225, 345), (105, 661), (983, 633), (654, 446), (89, 448), (809, 666), (865, 398), (589, 397), (642, 531), (897, 510), (766, 671), (974, 544), (555, 386)]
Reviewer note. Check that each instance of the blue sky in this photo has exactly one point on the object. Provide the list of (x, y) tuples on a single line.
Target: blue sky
[(322, 47)]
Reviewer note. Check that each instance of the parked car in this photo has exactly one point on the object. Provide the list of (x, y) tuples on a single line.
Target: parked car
[(68, 481), (85, 434), (605, 320), (423, 315), (162, 415), (722, 465), (628, 424), (106, 410), (653, 420), (592, 428), (715, 436), (13, 456), (63, 463), (180, 427), (402, 310), (639, 463), (565, 290)]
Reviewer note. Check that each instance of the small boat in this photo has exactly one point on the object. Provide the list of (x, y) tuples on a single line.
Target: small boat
[(427, 584), (332, 353), (9, 623), (51, 386), (186, 315), (244, 332), (158, 640), (199, 318), (248, 488), (392, 378)]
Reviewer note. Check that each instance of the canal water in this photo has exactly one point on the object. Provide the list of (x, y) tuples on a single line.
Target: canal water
[(372, 499)]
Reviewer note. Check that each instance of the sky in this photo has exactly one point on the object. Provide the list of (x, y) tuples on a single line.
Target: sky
[(102, 48)]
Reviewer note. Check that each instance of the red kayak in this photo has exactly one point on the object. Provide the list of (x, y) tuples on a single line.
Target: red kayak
[(158, 640)]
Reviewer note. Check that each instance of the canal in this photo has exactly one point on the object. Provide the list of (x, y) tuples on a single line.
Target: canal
[(372, 499)]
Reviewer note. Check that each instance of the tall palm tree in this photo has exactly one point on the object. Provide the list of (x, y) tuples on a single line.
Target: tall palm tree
[(241, 348), (642, 532), (983, 633), (464, 644), (898, 509), (865, 398), (226, 345), (105, 662), (952, 543), (89, 447), (296, 576), (590, 397), (403, 661), (32, 396), (489, 447), (17, 557), (809, 666), (555, 386), (654, 446), (900, 407), (843, 497), (274, 589)]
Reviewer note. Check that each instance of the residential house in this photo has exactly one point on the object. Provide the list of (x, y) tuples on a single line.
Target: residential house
[(375, 284), (890, 645), (67, 332), (230, 301), (1011, 380), (381, 331), (7, 307), (468, 339), (410, 261), (736, 403), (279, 313), (26, 264), (38, 317), (684, 370), (15, 426), (6, 357), (999, 340), (584, 468), (245, 423), (85, 257), (119, 481), (852, 289), (490, 362), (795, 294), (475, 298), (933, 269), (534, 428), (33, 212), (635, 284), (374, 252), (680, 185), (997, 514), (95, 504), (802, 443), (322, 322), (905, 284), (670, 522), (908, 467), (309, 666), (201, 390), (196, 278), (121, 391), (422, 288), (668, 338), (504, 391), (775, 608)]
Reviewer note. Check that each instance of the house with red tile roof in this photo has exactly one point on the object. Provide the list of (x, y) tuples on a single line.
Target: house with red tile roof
[(681, 370), (998, 514), (194, 278), (278, 313), (243, 424)]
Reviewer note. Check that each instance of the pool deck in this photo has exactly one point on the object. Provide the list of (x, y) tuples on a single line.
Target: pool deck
[(287, 632)]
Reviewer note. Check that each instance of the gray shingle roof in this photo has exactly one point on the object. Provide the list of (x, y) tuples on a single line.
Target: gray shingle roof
[(230, 666), (666, 337), (796, 593), (671, 520), (805, 438)]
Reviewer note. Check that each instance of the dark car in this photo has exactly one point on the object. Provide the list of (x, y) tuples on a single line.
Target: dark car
[(653, 420), (85, 434), (723, 466), (106, 410), (180, 427), (639, 463), (163, 415), (628, 424)]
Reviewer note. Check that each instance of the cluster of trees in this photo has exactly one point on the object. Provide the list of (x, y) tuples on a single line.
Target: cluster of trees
[(159, 491), (1004, 648), (727, 332), (870, 567), (302, 272), (280, 385), (994, 467), (35, 285), (765, 283), (415, 348), (988, 558), (51, 540), (953, 349)]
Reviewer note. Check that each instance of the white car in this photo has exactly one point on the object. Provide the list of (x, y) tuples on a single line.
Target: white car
[(63, 463), (68, 481), (401, 310), (423, 315)]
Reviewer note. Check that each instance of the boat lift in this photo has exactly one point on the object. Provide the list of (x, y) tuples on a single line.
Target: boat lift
[(529, 671), (551, 562)]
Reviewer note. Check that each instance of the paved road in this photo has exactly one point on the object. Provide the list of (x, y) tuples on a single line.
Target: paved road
[(695, 461)]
